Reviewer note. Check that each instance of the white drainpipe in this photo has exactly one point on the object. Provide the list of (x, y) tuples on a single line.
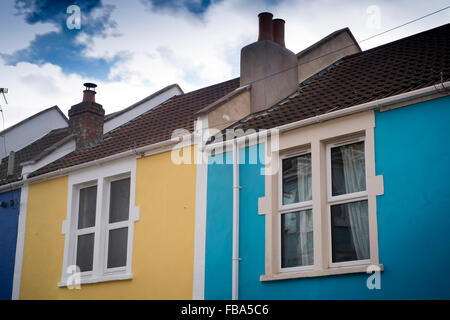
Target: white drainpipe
[(236, 188)]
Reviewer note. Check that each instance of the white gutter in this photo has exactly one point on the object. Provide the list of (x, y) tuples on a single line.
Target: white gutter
[(235, 257), (11, 186), (402, 97), (124, 154)]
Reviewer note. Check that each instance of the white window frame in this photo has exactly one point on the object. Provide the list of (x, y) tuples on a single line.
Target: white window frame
[(78, 232), (345, 198), (289, 208), (115, 225), (317, 137), (102, 176)]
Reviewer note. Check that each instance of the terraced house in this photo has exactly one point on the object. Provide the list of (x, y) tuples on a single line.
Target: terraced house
[(290, 182)]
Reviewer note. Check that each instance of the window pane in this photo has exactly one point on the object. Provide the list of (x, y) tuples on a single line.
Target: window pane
[(350, 231), (87, 205), (119, 201), (297, 239), (297, 179), (117, 248), (85, 252), (348, 169)]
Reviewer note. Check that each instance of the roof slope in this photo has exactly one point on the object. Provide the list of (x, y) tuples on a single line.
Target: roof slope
[(397, 67), (154, 126), (30, 152), (401, 66)]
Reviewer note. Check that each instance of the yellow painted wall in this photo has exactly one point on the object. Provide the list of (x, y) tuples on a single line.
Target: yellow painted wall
[(163, 245)]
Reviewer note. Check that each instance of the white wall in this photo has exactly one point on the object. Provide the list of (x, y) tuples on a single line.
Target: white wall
[(140, 109), (30, 130)]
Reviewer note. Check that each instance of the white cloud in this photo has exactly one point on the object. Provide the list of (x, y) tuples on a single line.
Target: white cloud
[(159, 48), (33, 88)]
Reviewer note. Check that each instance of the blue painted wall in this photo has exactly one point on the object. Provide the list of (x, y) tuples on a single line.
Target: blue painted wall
[(219, 230), (8, 237), (412, 148), (412, 152)]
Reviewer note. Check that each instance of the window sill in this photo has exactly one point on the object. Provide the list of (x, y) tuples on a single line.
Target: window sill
[(318, 273), (105, 278)]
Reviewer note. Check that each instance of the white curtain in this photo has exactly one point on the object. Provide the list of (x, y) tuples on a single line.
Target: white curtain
[(304, 178), (304, 251), (354, 175)]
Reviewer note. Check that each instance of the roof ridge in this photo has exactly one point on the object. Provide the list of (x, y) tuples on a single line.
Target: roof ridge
[(328, 37), (394, 42), (208, 87), (149, 97)]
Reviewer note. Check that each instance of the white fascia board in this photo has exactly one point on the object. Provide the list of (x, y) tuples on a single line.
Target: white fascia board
[(371, 105), (140, 109), (139, 152), (60, 152)]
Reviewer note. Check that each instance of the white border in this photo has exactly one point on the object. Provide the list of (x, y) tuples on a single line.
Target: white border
[(103, 174), (290, 208), (20, 242), (345, 198), (198, 286)]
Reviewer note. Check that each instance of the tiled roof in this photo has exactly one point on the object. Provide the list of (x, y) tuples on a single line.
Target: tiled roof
[(397, 67), (154, 126), (30, 152), (401, 66)]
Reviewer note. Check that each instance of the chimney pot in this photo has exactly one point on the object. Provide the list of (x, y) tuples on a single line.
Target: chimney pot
[(86, 118), (89, 92), (265, 26), (278, 32)]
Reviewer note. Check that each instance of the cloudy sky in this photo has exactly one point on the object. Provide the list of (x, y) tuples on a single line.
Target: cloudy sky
[(133, 48)]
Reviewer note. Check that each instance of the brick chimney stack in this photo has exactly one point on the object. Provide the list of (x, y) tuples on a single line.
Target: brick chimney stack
[(86, 118)]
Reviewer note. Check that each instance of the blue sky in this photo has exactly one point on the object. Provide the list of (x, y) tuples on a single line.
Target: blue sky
[(133, 48), (60, 47)]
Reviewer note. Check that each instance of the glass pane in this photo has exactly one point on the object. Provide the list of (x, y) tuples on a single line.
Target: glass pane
[(85, 252), (297, 179), (350, 231), (348, 169), (117, 248), (87, 205), (119, 202), (297, 239)]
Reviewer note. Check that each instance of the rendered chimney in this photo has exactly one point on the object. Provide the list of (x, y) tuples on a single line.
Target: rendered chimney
[(268, 66), (86, 118), (278, 31)]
